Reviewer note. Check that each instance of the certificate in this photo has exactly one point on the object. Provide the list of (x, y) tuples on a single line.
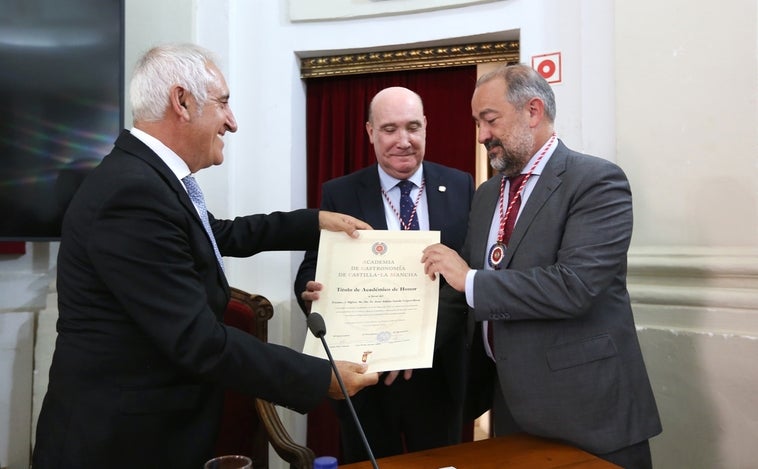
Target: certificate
[(379, 306)]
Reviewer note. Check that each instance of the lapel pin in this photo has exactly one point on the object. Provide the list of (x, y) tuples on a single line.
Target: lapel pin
[(442, 188)]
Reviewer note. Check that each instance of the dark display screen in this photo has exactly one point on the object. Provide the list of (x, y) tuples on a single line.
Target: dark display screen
[(61, 105)]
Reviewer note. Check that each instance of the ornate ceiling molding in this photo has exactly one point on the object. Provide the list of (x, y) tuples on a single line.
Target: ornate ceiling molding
[(410, 59)]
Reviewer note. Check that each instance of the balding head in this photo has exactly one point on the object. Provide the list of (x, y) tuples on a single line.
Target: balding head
[(391, 97), (397, 128)]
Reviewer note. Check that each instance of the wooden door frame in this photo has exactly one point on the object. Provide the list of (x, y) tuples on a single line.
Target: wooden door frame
[(409, 59)]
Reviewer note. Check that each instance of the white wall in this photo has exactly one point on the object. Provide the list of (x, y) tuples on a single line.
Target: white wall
[(687, 114), (16, 343), (24, 284)]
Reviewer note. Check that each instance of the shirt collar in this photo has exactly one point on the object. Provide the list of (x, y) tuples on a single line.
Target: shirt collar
[(388, 182), (172, 160), (538, 170)]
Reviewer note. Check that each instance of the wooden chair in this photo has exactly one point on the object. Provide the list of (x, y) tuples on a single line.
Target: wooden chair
[(248, 424)]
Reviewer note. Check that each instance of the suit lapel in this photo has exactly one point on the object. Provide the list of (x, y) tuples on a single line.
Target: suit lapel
[(134, 146), (437, 198), (370, 198), (481, 215)]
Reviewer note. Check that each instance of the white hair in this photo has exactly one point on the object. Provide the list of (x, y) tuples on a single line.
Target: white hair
[(162, 67)]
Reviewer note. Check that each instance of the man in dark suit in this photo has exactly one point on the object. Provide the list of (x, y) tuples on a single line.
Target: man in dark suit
[(423, 409), (566, 362), (142, 357)]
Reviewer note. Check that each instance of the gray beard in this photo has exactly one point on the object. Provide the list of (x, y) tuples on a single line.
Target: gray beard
[(512, 161)]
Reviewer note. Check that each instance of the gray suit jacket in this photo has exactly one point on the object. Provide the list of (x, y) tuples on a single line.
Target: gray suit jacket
[(567, 354)]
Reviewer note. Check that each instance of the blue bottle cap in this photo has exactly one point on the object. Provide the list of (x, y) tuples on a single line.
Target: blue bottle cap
[(325, 462)]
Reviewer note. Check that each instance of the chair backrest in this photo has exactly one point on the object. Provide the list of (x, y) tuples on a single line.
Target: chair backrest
[(249, 424)]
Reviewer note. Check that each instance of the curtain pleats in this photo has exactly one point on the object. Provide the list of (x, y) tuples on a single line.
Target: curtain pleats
[(337, 110)]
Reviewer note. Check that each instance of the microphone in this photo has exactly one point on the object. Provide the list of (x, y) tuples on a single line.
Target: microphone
[(318, 328)]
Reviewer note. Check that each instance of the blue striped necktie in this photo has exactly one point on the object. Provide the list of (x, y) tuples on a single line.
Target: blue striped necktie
[(196, 195)]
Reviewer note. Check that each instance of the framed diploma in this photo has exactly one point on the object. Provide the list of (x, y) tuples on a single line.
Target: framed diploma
[(379, 306)]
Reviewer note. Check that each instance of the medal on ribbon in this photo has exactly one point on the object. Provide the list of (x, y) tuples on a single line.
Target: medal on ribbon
[(495, 258)]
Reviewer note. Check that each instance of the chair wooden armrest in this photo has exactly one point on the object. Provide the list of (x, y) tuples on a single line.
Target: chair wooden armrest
[(250, 424), (297, 455)]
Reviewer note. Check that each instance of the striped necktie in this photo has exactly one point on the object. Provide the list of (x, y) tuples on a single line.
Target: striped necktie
[(196, 195)]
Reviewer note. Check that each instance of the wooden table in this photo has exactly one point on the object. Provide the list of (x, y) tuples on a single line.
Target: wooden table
[(511, 452)]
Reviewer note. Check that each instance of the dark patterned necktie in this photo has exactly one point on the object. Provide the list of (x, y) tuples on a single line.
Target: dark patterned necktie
[(407, 207), (515, 183), (196, 195)]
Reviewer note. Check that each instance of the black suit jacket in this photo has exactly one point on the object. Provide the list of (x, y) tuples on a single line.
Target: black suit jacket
[(566, 348), (449, 192), (142, 357)]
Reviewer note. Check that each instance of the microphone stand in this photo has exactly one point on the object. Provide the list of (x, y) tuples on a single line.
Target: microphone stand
[(320, 332)]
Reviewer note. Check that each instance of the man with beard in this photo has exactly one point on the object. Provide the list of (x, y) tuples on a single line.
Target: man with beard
[(552, 341)]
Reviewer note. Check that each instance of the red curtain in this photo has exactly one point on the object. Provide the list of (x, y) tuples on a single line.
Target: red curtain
[(13, 247), (337, 144), (337, 110)]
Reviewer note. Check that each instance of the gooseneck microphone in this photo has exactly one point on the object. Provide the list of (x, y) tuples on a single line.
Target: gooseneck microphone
[(318, 328)]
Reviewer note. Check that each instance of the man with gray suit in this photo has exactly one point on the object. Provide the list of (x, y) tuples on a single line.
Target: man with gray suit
[(552, 341)]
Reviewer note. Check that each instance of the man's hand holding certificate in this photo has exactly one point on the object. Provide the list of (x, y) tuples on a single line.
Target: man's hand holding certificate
[(379, 306)]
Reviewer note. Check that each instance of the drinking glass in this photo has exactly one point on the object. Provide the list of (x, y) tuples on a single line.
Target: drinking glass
[(232, 461)]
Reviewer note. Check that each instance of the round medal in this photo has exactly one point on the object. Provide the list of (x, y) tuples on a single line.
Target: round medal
[(497, 252)]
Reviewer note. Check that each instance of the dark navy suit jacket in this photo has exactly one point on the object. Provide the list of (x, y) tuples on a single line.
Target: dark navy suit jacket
[(449, 193)]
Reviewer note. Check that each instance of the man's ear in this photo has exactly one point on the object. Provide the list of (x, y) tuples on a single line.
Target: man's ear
[(536, 111), (370, 131), (178, 98)]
